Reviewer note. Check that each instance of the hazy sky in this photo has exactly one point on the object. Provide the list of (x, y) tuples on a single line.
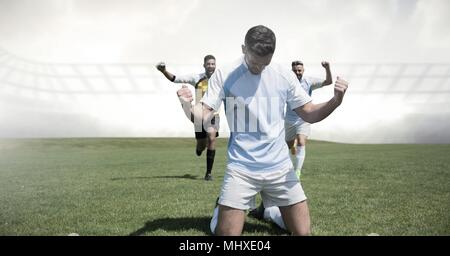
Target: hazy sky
[(39, 33), (180, 31)]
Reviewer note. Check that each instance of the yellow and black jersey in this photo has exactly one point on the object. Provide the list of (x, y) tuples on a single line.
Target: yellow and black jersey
[(201, 87)]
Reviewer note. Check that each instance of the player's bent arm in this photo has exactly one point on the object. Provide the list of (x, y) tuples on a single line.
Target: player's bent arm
[(313, 113), (169, 76)]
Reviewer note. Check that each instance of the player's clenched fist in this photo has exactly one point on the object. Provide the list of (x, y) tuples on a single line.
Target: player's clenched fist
[(325, 64), (161, 66), (185, 95), (340, 87)]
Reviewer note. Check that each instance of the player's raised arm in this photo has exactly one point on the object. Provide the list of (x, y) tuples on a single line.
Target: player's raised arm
[(328, 79), (199, 113), (161, 66), (313, 113)]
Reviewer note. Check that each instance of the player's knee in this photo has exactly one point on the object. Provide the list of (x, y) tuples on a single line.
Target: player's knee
[(302, 232), (211, 139), (301, 142), (227, 231), (305, 232)]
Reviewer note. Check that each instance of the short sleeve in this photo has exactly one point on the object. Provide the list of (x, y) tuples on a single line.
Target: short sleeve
[(296, 96), (215, 94)]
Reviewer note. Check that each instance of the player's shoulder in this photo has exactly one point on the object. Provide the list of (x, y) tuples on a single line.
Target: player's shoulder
[(199, 75), (230, 68), (282, 71), (193, 78)]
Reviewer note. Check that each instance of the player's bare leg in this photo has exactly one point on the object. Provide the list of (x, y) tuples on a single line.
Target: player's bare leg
[(296, 218), (211, 145), (230, 222)]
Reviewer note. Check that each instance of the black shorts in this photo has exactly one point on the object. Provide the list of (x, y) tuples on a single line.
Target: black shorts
[(204, 134)]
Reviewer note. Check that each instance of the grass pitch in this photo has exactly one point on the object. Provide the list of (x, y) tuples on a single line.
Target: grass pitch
[(155, 187)]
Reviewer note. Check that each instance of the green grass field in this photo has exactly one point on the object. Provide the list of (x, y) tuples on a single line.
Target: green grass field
[(155, 187)]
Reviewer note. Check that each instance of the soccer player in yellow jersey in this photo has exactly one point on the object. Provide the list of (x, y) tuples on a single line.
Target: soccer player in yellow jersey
[(205, 138)]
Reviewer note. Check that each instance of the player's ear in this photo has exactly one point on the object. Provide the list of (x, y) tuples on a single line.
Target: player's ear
[(244, 49)]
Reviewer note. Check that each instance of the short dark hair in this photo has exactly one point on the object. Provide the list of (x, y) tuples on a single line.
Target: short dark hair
[(260, 40), (208, 57), (296, 63)]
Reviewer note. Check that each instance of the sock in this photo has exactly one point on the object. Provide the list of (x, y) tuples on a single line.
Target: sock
[(294, 161), (210, 160), (213, 222), (299, 159), (273, 214)]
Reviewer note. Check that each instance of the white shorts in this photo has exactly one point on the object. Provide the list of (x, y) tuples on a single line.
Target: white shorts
[(299, 127), (279, 188)]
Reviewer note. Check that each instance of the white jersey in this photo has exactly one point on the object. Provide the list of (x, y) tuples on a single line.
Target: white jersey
[(308, 84), (254, 106)]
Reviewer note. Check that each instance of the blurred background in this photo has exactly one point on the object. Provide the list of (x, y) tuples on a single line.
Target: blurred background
[(86, 68)]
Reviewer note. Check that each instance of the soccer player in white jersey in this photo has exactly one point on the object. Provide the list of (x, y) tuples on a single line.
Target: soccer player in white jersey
[(255, 93), (297, 130), (206, 138)]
